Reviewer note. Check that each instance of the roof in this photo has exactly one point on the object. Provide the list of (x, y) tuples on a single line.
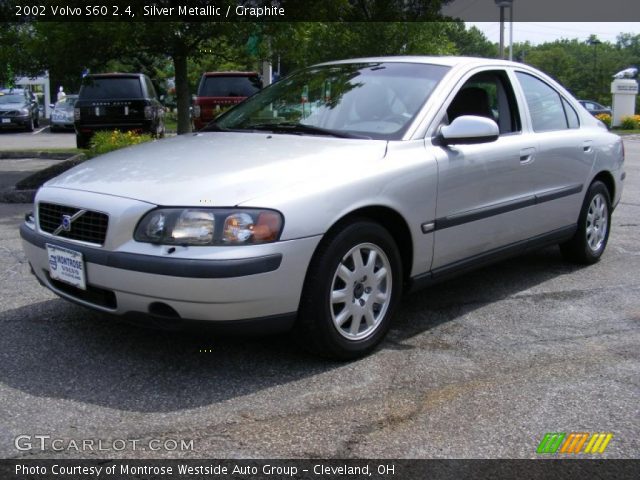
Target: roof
[(115, 74), (446, 61), (230, 74)]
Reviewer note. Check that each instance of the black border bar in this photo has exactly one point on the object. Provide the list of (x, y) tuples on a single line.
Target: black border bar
[(319, 10), (320, 469)]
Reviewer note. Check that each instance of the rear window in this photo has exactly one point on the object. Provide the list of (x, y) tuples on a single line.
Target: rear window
[(229, 86), (108, 88)]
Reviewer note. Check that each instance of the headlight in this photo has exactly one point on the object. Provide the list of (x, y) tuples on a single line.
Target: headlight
[(24, 111), (209, 226)]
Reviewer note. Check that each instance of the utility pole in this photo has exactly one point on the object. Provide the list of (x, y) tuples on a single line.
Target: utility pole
[(506, 4)]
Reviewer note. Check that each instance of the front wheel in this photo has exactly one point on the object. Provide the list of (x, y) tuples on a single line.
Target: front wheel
[(352, 287), (590, 240)]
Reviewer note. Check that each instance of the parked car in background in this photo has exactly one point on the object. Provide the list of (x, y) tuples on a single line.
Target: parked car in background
[(122, 101), (62, 114), (218, 91), (321, 199), (595, 108), (18, 109)]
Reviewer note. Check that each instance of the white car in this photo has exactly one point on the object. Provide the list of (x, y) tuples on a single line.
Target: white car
[(318, 201)]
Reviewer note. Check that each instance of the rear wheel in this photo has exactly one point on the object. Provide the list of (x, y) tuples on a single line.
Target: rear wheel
[(590, 240), (352, 287), (82, 140)]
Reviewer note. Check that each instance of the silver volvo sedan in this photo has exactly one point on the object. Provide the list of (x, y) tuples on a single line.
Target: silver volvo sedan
[(318, 201)]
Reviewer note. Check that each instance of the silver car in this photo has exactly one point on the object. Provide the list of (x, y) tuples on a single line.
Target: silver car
[(321, 199)]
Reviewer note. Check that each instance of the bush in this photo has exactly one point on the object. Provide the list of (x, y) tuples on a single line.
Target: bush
[(604, 118), (103, 142), (629, 123)]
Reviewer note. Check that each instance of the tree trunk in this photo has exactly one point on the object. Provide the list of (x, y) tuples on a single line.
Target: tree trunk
[(182, 92)]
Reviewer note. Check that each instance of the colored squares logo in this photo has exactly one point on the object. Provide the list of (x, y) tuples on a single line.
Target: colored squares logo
[(573, 443)]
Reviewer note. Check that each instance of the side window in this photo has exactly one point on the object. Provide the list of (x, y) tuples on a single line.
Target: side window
[(572, 115), (150, 90), (545, 104), (488, 94)]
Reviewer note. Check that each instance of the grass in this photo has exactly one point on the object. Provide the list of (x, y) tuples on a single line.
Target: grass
[(170, 125), (619, 131)]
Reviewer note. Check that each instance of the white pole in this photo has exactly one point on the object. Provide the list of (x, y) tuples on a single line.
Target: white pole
[(511, 32)]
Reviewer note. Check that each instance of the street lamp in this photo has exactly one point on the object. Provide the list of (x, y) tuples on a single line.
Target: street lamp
[(594, 42), (506, 4)]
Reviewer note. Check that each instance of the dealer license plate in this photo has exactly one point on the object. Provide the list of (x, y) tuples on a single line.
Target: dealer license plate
[(66, 266)]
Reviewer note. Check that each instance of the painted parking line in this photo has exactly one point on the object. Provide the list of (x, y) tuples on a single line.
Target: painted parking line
[(40, 131)]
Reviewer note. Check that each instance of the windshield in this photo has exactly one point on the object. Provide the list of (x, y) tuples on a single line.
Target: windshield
[(229, 86), (4, 99), (373, 100), (110, 88)]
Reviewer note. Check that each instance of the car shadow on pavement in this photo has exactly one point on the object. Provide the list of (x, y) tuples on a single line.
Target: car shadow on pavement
[(60, 350)]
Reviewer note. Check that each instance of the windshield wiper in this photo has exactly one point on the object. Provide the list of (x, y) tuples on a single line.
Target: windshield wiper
[(301, 128)]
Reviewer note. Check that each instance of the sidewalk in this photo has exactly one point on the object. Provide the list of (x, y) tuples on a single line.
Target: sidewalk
[(16, 166)]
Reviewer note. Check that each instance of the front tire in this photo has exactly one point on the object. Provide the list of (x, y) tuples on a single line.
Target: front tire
[(590, 240), (352, 287)]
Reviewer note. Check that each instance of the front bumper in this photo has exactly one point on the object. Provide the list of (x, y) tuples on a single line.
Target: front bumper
[(14, 121), (264, 283)]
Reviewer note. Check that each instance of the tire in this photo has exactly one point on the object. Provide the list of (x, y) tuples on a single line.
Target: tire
[(159, 131), (338, 293), (590, 240), (82, 141)]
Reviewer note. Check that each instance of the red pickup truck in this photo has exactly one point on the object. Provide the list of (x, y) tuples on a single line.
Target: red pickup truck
[(220, 90)]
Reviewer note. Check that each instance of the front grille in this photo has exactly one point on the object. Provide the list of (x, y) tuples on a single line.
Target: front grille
[(89, 227), (9, 113)]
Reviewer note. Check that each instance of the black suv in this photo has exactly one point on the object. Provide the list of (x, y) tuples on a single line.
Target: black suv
[(117, 101), (18, 108)]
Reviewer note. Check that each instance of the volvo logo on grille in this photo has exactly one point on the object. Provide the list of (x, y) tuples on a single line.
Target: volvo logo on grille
[(66, 223), (67, 220)]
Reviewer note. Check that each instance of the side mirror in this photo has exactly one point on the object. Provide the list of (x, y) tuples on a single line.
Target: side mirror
[(469, 130), (52, 105)]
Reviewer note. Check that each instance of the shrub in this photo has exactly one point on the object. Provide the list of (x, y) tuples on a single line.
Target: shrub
[(604, 118), (629, 123), (103, 142)]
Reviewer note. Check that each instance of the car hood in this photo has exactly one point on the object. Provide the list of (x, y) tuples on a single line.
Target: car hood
[(12, 106), (218, 169)]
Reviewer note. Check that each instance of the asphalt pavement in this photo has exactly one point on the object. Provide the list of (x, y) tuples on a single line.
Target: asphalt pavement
[(40, 138), (482, 366)]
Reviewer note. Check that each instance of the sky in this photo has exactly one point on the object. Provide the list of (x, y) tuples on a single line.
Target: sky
[(540, 32)]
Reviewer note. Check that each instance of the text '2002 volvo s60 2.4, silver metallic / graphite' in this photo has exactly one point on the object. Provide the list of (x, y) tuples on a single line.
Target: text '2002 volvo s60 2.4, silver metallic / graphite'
[(316, 202)]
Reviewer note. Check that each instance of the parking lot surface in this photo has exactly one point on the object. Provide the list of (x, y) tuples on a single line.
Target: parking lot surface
[(39, 138), (482, 366)]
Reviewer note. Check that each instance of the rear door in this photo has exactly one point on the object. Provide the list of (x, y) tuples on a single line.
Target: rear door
[(565, 155)]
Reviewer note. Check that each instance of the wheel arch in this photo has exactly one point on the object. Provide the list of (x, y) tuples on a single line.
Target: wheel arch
[(607, 178), (392, 221)]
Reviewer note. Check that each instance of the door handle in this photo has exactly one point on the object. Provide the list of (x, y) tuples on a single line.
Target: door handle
[(587, 146), (527, 155)]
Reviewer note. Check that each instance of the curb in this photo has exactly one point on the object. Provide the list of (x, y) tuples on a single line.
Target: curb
[(11, 194), (13, 154)]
